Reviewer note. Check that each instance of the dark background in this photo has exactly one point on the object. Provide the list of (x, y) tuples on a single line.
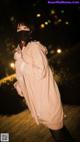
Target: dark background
[(27, 10), (55, 34)]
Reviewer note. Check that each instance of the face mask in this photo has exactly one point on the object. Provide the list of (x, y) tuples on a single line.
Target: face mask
[(24, 36)]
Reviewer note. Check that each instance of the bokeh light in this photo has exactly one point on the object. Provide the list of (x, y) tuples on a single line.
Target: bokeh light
[(60, 20), (42, 25), (46, 23), (52, 12), (59, 51), (62, 11), (12, 18), (67, 23), (12, 65), (38, 15), (49, 21)]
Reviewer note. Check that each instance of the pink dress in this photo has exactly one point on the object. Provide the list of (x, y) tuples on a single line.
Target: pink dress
[(36, 84)]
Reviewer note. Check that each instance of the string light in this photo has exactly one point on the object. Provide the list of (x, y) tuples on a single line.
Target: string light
[(8, 78)]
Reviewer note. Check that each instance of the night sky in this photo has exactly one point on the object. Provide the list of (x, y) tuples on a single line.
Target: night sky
[(54, 25), (13, 11)]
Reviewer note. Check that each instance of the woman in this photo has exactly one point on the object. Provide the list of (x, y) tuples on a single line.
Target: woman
[(36, 84)]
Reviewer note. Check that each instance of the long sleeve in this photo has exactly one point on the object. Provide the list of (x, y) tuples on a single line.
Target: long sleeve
[(18, 88), (19, 84), (35, 57)]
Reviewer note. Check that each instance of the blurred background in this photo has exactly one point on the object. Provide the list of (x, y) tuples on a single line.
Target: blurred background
[(57, 26)]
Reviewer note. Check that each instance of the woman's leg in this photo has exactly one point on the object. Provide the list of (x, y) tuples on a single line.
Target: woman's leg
[(61, 135)]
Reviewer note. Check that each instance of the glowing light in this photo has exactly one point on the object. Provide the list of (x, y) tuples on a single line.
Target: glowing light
[(63, 2), (12, 65), (62, 11), (38, 15), (4, 80), (67, 23), (12, 18), (42, 25), (52, 12), (60, 20), (59, 51), (46, 23), (49, 21), (52, 51)]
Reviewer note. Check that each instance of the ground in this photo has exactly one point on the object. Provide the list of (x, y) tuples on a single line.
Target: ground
[(21, 127)]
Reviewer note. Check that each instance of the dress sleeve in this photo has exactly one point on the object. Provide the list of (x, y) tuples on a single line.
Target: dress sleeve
[(37, 59), (18, 88), (20, 84)]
